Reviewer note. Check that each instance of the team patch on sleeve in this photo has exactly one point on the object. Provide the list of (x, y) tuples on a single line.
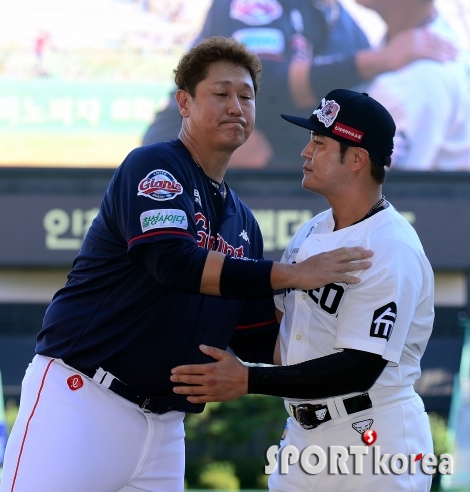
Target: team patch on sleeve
[(163, 218), (383, 321), (159, 185)]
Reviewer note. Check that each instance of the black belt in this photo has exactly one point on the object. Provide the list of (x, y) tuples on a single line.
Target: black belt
[(311, 416), (126, 392)]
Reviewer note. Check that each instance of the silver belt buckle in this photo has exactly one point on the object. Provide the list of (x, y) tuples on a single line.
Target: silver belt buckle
[(298, 411)]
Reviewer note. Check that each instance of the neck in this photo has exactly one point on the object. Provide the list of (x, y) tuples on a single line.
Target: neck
[(348, 210), (214, 163), (411, 14)]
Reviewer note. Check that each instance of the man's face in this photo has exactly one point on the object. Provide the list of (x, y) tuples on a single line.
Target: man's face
[(221, 114), (323, 171)]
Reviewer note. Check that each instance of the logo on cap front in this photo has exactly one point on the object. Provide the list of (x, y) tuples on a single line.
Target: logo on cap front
[(328, 112)]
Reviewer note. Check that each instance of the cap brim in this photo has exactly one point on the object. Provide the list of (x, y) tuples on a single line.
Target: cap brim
[(305, 123)]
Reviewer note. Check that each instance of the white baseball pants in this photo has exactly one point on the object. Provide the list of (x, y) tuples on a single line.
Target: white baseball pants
[(74, 438), (402, 427)]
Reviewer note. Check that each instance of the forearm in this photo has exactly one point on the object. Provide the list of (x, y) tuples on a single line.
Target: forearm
[(370, 63), (182, 266), (336, 374)]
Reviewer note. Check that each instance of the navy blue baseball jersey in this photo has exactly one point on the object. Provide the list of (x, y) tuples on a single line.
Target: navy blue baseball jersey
[(121, 312)]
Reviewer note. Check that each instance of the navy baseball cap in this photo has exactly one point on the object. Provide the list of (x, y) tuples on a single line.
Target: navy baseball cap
[(352, 118)]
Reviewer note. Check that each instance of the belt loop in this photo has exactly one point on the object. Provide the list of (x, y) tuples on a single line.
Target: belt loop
[(103, 378), (340, 407), (330, 403)]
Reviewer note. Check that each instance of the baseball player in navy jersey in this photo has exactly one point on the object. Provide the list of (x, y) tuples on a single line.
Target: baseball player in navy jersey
[(350, 353), (172, 260), (307, 48)]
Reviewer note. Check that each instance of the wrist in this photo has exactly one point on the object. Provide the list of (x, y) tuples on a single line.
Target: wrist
[(282, 276), (243, 277)]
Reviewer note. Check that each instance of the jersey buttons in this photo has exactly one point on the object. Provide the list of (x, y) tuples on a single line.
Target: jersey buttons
[(303, 297), (298, 337)]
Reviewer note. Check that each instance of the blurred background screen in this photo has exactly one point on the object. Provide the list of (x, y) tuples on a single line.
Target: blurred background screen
[(82, 81)]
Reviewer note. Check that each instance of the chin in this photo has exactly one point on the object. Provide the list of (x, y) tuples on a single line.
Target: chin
[(236, 139), (307, 183)]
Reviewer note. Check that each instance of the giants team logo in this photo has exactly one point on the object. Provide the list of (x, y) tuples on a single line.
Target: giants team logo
[(207, 241), (328, 112), (255, 12), (383, 321), (159, 185)]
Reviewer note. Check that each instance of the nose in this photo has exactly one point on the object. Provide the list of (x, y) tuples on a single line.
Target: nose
[(307, 153), (235, 107)]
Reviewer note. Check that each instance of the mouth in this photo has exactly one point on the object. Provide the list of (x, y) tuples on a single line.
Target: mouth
[(235, 122)]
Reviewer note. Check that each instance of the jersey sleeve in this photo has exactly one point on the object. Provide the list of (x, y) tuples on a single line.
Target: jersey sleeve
[(257, 329), (152, 197), (377, 313)]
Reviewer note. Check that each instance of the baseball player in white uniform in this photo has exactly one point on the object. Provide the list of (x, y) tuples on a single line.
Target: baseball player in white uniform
[(349, 353), (429, 101)]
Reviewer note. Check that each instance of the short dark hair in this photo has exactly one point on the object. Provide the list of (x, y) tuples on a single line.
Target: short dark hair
[(194, 65), (378, 163)]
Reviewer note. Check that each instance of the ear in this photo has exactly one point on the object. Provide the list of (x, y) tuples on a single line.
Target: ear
[(361, 158), (183, 100)]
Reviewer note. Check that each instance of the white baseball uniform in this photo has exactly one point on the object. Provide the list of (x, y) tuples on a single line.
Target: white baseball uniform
[(61, 413), (430, 104), (390, 313)]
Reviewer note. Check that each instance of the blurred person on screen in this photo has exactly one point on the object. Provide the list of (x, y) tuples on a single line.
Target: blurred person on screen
[(307, 47), (429, 101)]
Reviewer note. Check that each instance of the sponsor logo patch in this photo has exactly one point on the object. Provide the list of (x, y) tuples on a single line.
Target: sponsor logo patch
[(328, 112), (255, 12), (362, 425), (75, 382), (163, 218), (348, 132), (159, 185), (262, 40), (383, 321)]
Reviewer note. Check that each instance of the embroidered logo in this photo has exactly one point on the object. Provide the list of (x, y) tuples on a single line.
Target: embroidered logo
[(328, 112), (348, 132), (320, 414), (159, 185), (197, 197), (158, 219), (206, 240), (311, 230), (383, 321), (244, 235), (255, 12), (75, 382), (362, 425)]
